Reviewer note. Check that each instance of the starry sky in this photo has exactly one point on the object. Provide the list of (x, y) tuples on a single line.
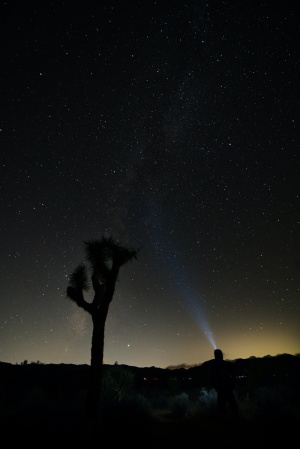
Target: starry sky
[(171, 126)]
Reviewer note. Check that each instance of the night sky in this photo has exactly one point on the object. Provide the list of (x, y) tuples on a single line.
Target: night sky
[(171, 126)]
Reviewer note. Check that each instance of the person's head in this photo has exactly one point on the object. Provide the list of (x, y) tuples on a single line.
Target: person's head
[(218, 354)]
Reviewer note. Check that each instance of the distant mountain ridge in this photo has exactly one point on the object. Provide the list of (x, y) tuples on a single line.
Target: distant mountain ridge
[(187, 366), (268, 370)]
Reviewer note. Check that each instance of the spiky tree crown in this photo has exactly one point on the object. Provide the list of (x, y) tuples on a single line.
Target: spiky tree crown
[(102, 256), (78, 280), (99, 253)]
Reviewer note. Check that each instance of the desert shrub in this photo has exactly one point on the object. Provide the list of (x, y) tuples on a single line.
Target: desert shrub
[(180, 405), (132, 410), (248, 407), (117, 381), (157, 397), (207, 399)]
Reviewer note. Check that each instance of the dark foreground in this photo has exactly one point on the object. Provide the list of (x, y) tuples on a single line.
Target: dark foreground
[(157, 430), (42, 407)]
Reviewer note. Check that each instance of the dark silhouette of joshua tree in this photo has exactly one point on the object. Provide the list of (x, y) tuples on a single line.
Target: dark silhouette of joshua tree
[(104, 259)]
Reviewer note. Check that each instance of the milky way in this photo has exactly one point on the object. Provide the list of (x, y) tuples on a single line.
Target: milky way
[(171, 126)]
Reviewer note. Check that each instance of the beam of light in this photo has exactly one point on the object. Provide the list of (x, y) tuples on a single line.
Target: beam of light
[(198, 314), (192, 300)]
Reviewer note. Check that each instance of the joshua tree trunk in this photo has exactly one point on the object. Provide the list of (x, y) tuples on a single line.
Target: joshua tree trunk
[(95, 380), (105, 258)]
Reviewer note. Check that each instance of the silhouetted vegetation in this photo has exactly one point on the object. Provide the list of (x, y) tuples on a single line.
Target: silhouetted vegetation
[(43, 405), (104, 259)]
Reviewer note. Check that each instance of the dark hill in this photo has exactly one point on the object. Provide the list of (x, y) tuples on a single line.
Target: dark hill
[(42, 406), (283, 369)]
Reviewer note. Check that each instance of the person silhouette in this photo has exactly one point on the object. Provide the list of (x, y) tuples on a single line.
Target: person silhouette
[(224, 382)]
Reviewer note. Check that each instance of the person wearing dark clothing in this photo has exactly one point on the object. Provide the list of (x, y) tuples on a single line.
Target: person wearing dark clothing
[(224, 382)]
